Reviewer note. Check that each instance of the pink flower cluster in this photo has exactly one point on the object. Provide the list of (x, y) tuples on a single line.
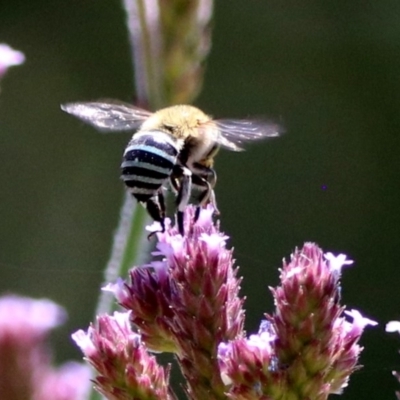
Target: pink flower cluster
[(187, 302), (25, 368), (306, 349), (126, 370)]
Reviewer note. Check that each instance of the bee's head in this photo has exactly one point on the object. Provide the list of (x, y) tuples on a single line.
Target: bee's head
[(180, 121)]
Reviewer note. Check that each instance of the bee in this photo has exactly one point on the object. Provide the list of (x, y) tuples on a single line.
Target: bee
[(176, 144)]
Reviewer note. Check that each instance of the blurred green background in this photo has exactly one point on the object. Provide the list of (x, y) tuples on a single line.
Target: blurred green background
[(329, 70)]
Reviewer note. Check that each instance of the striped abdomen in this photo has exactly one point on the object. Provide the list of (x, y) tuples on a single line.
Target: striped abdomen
[(147, 163)]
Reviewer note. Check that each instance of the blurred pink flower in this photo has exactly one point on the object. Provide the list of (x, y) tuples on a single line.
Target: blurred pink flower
[(25, 368), (69, 382)]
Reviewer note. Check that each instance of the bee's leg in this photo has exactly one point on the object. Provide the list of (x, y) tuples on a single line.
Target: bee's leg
[(155, 206), (205, 178), (207, 173), (197, 213), (174, 183), (176, 177), (182, 200), (161, 202), (206, 195), (180, 220)]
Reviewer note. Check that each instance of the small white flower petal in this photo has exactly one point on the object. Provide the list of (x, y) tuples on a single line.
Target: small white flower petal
[(84, 341), (118, 288), (9, 57), (359, 322), (337, 262), (393, 326), (226, 380)]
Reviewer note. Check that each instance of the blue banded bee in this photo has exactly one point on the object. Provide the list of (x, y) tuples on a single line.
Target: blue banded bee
[(176, 143)]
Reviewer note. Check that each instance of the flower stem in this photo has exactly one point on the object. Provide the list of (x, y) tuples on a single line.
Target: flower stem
[(129, 248)]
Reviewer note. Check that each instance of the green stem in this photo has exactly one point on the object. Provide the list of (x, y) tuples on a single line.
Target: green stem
[(130, 248), (134, 251)]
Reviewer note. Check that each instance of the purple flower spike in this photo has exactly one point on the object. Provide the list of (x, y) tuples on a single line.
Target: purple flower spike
[(187, 302), (125, 368), (316, 344), (306, 349)]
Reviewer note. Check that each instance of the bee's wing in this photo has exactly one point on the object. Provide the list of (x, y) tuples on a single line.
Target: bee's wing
[(108, 116), (234, 132)]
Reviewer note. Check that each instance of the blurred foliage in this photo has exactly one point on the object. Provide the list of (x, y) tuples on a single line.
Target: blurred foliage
[(328, 70)]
